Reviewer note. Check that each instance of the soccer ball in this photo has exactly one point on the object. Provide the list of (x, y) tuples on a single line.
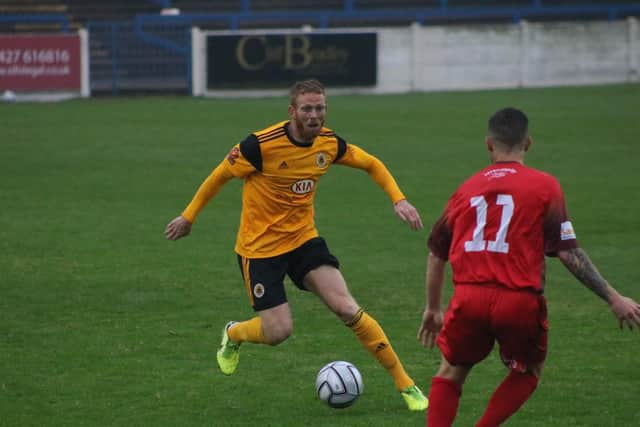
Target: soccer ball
[(339, 384)]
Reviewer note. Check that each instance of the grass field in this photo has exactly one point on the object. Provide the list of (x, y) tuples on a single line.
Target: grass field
[(105, 323)]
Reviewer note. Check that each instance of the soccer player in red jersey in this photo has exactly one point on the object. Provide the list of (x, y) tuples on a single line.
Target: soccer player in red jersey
[(495, 231)]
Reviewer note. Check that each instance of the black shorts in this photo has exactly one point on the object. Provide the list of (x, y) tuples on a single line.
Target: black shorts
[(264, 277)]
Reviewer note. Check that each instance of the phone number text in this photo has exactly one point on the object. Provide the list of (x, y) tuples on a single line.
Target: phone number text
[(34, 56)]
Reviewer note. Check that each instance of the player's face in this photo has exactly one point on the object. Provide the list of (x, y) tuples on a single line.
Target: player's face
[(308, 115)]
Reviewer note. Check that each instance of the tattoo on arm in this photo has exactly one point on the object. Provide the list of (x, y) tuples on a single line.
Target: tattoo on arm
[(578, 263)]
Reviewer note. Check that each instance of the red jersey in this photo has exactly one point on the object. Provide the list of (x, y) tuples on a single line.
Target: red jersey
[(500, 223)]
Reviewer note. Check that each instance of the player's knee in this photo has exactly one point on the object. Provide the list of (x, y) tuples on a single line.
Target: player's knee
[(455, 373), (345, 309), (276, 335)]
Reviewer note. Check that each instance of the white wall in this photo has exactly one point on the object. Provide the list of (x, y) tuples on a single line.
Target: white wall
[(468, 57), (508, 55), (634, 50)]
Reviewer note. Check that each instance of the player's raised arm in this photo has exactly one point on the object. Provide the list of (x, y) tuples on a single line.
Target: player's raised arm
[(578, 263), (356, 157)]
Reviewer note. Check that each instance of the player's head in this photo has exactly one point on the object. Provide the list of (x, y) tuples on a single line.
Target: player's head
[(307, 108), (508, 132)]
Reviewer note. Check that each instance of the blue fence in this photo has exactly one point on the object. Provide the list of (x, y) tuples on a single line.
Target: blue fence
[(152, 51), (381, 12), (124, 56)]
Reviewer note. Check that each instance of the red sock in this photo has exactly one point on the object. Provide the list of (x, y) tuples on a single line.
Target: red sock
[(444, 396), (508, 397)]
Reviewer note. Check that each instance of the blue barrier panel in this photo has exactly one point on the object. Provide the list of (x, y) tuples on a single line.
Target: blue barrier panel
[(125, 59), (161, 3), (352, 11)]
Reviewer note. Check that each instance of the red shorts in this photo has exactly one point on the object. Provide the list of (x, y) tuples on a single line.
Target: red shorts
[(478, 315)]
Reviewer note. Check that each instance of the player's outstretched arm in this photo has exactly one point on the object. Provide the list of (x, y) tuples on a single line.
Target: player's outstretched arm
[(177, 228), (626, 310), (408, 214)]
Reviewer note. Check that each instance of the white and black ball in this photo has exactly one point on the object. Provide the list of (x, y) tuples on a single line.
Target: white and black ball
[(339, 384)]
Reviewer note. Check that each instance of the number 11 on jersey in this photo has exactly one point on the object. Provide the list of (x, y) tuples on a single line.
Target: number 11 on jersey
[(479, 244)]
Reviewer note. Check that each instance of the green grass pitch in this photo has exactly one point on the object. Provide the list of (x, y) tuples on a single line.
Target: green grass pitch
[(104, 322)]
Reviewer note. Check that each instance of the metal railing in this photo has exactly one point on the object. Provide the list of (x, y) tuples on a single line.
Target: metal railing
[(352, 10), (124, 59)]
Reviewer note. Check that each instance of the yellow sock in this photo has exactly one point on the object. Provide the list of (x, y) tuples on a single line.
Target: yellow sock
[(247, 331), (373, 338)]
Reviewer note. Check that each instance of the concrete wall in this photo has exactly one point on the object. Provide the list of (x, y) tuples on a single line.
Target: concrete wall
[(508, 55), (438, 58)]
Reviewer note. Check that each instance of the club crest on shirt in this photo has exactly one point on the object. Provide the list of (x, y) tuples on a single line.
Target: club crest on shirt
[(566, 231), (233, 155), (258, 290), (321, 160)]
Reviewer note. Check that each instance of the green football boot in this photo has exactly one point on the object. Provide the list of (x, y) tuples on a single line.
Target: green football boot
[(415, 400), (229, 353)]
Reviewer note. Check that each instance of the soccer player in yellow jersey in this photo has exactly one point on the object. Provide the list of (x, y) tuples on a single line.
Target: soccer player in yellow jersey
[(281, 166)]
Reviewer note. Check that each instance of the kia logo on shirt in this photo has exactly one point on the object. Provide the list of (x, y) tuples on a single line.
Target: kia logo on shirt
[(303, 186)]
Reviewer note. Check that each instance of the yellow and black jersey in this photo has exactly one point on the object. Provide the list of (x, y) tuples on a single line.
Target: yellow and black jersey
[(280, 178)]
